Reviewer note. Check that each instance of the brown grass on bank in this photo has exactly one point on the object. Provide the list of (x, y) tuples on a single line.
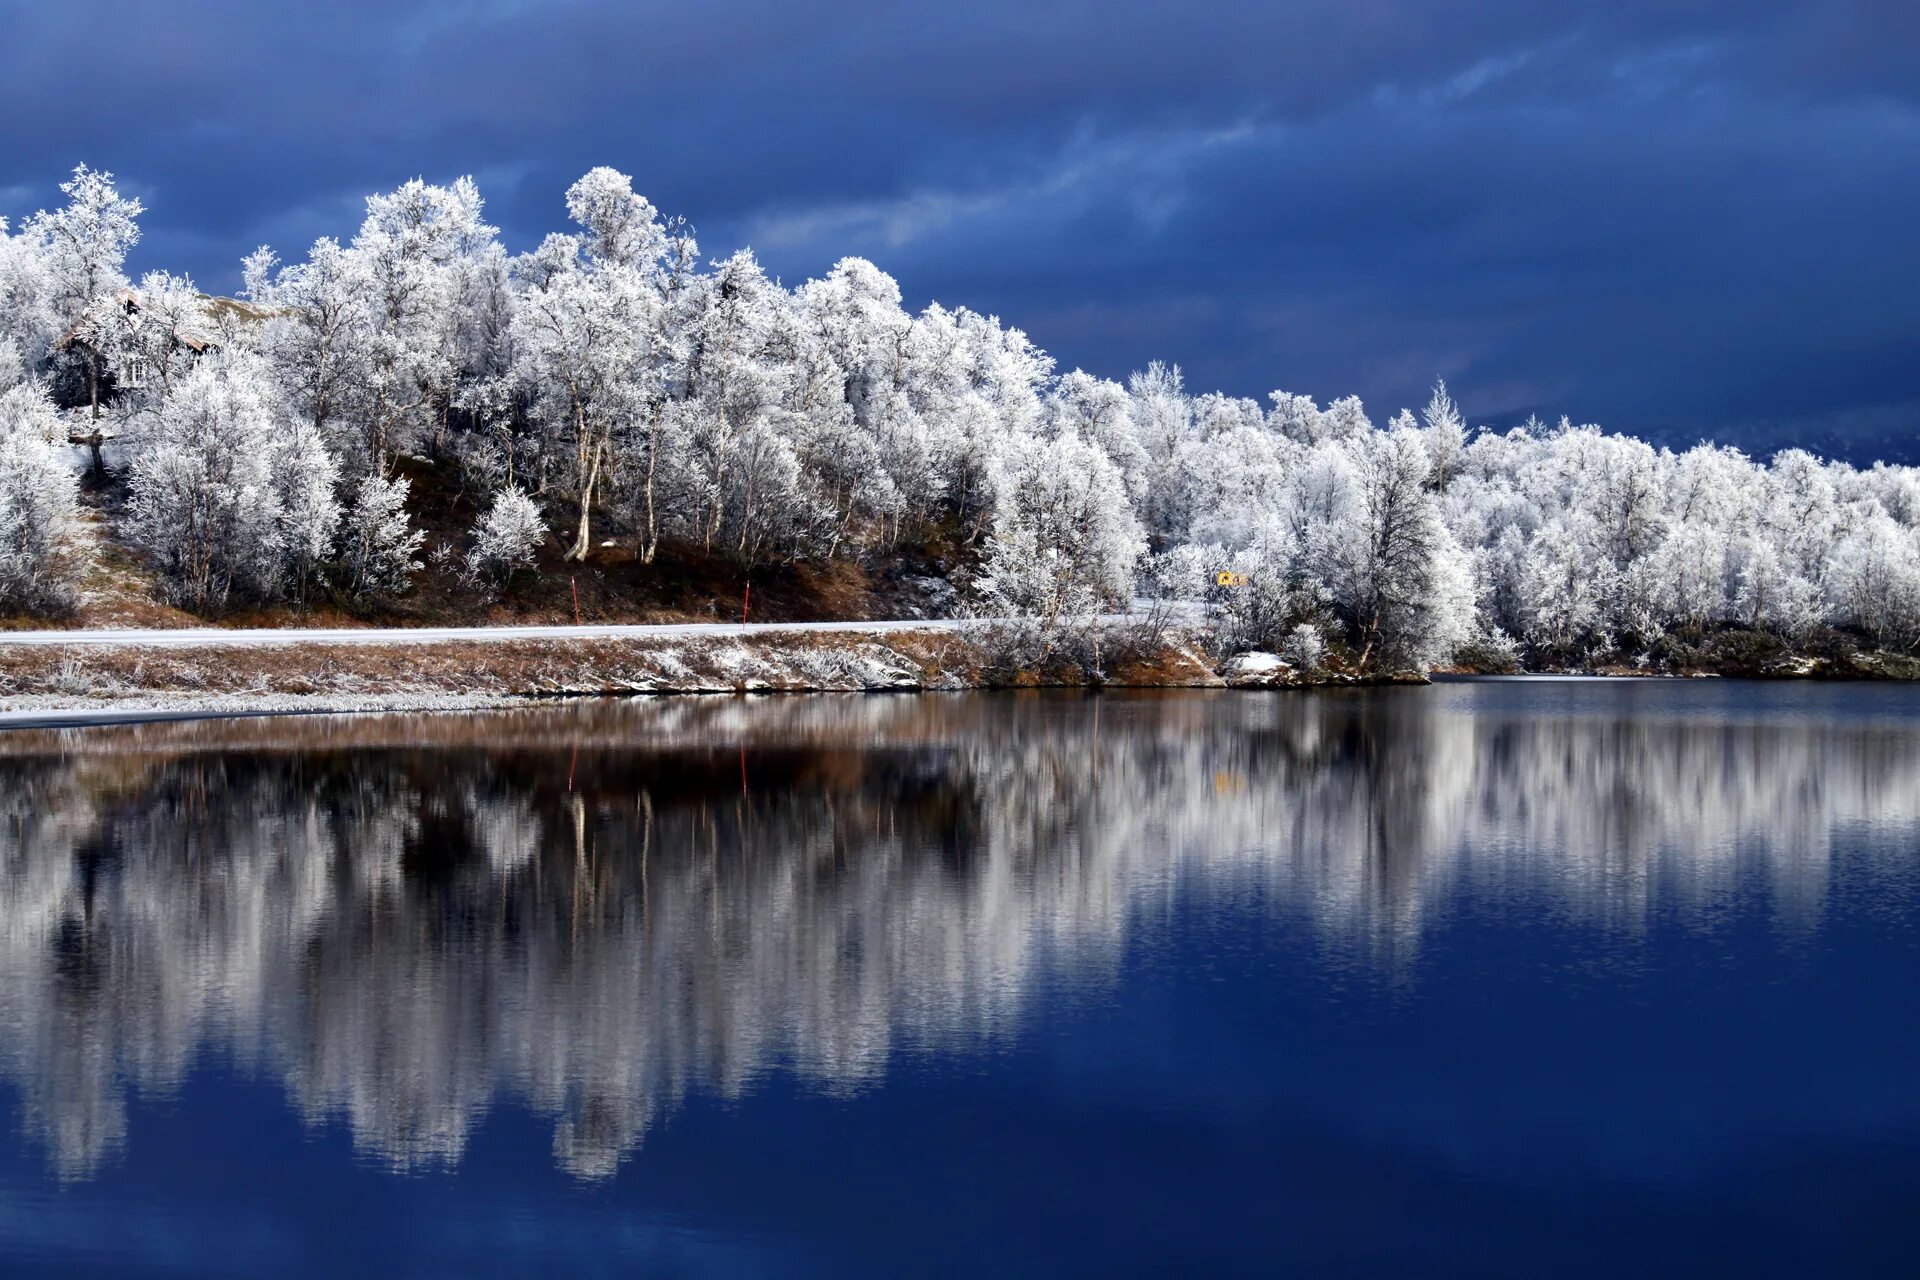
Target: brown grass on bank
[(520, 668)]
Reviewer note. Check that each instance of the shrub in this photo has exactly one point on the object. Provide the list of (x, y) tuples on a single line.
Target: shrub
[(505, 537), (379, 542)]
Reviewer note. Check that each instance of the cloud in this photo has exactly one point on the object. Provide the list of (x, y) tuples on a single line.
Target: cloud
[(1675, 216)]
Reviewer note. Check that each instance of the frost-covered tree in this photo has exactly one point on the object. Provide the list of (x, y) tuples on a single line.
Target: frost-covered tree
[(1162, 417), (1305, 647), (733, 381), (634, 392), (29, 323), (1101, 413), (84, 248), (1387, 561), (13, 366), (1875, 582), (40, 558), (1064, 542), (306, 477), (414, 258), (1445, 435), (319, 337), (505, 537), (379, 544), (201, 489), (591, 336)]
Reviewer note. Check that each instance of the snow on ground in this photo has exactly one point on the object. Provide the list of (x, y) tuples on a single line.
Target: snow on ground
[(194, 637), (1257, 669), (53, 711)]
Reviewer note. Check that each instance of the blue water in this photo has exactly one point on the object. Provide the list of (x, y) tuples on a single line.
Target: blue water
[(1481, 979)]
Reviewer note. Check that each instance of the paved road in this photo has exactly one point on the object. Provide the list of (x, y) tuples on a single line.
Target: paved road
[(217, 637), (220, 637)]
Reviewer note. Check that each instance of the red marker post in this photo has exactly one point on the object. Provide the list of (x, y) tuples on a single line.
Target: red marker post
[(745, 600)]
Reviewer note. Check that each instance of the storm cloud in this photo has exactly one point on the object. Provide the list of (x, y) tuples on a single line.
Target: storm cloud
[(1675, 218)]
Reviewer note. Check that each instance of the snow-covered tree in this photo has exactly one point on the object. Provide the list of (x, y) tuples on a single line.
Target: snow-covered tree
[(506, 536), (1065, 541), (307, 516), (29, 323), (414, 259), (1305, 647), (1388, 558), (733, 380), (624, 387), (1162, 418), (40, 558), (320, 334), (201, 487), (1875, 581), (1445, 436), (590, 336), (1101, 412), (84, 248), (379, 544)]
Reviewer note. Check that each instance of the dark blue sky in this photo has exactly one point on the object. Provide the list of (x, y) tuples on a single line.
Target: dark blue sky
[(1674, 217)]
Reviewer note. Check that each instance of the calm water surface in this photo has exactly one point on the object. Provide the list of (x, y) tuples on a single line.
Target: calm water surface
[(1482, 979)]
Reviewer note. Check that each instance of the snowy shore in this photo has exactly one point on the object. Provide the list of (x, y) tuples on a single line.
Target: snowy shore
[(48, 680), (43, 682)]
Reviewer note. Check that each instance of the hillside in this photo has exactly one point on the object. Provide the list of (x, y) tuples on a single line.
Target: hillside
[(416, 426), (122, 588)]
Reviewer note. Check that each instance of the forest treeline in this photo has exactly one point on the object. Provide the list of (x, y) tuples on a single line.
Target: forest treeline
[(613, 388)]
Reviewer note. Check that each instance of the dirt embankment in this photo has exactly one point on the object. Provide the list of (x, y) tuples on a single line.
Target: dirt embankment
[(683, 583), (270, 677)]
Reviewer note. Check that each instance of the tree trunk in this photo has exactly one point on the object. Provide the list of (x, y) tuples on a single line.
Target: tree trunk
[(583, 541), (651, 543), (713, 517), (746, 512)]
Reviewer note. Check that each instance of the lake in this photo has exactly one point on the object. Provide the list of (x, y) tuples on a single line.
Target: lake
[(1496, 978)]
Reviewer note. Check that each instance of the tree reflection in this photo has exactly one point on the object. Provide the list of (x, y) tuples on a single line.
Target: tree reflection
[(594, 909)]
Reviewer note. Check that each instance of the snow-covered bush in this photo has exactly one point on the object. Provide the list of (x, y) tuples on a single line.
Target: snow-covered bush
[(1491, 652), (1305, 648), (228, 498), (379, 543), (202, 491), (505, 537), (1181, 573), (40, 564), (13, 365)]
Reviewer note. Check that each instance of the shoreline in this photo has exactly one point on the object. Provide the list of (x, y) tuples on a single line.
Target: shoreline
[(112, 678), (167, 678)]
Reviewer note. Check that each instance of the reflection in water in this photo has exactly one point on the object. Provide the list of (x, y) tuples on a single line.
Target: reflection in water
[(592, 909)]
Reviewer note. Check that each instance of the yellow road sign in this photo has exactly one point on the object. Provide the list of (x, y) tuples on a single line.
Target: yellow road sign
[(1226, 579)]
